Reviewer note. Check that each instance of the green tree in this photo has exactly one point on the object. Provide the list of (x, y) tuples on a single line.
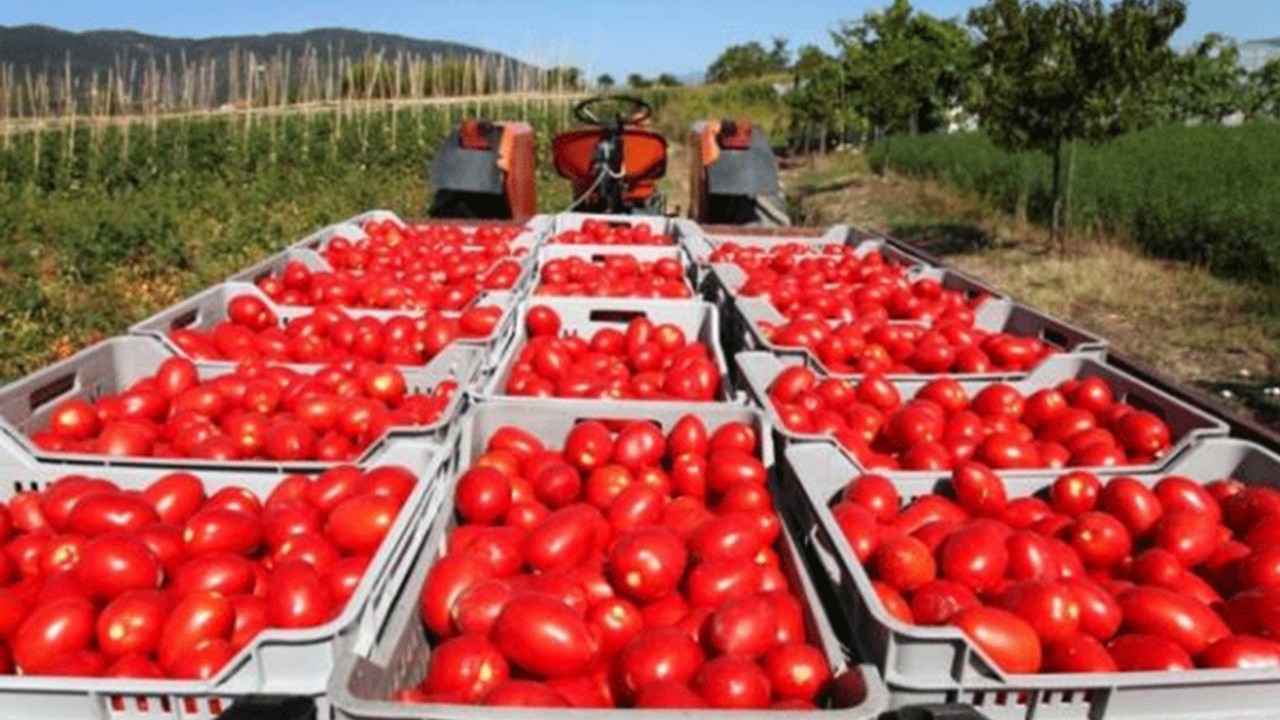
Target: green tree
[(1208, 82), (905, 69), (1262, 93), (808, 60), (738, 62), (1069, 70), (605, 80), (818, 101), (636, 81), (668, 80), (779, 56)]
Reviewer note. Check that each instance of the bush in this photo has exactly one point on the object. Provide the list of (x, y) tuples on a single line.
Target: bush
[(1209, 194)]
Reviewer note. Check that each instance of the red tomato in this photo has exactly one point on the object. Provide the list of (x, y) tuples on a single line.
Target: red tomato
[(1132, 503), (1168, 614), (1050, 608), (797, 671), (904, 563), (937, 601), (1078, 653), (114, 563), (657, 654), (732, 682), (221, 530), (1100, 539), (668, 694), (1075, 493), (565, 538), (1148, 652), (468, 665), (1241, 651), (483, 495), (974, 556), (132, 623), (61, 626), (103, 512), (195, 618), (358, 526), (647, 564), (524, 693), (745, 626), (875, 493), (979, 491), (1191, 536), (544, 637), (297, 596), (175, 497), (541, 320), (1008, 640)]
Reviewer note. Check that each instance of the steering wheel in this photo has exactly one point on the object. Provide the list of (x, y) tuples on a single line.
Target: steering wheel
[(639, 110)]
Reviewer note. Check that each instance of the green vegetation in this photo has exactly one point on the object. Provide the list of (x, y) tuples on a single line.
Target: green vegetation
[(104, 225), (1208, 194)]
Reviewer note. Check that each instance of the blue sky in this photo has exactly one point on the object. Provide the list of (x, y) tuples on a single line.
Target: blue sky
[(615, 36)]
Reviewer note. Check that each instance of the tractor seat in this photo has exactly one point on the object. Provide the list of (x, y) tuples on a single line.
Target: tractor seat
[(644, 154)]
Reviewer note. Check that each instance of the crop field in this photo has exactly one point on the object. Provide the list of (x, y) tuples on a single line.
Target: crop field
[(104, 222)]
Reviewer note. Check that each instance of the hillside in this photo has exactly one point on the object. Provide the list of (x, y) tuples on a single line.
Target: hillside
[(44, 48)]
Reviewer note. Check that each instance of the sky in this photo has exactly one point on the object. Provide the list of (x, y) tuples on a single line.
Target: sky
[(614, 36)]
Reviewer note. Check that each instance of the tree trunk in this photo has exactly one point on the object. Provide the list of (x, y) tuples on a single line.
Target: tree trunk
[(1056, 227)]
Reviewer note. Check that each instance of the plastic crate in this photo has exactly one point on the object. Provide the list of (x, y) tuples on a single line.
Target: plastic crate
[(1001, 315), (531, 234), (598, 253), (1187, 424), (112, 365), (397, 654), (584, 316), (296, 662), (939, 664), (207, 309)]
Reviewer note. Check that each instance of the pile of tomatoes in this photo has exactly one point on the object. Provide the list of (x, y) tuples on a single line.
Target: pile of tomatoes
[(171, 581), (630, 569), (614, 276), (402, 247), (881, 346), (257, 411), (1085, 576), (646, 361), (597, 232), (434, 282), (252, 331), (1079, 423)]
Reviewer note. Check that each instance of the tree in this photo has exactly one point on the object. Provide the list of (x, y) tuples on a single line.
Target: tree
[(1053, 74), (605, 80), (668, 80), (1209, 83), (636, 81), (1262, 93), (739, 62), (818, 99), (905, 69), (779, 56), (808, 60)]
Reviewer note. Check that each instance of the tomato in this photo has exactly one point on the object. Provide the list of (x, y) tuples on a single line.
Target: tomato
[(61, 626), (636, 506), (1241, 651), (638, 445), (979, 491), (732, 682), (468, 665), (1009, 641), (565, 538), (1148, 652), (103, 512), (904, 563), (1191, 536), (333, 486), (501, 547), (524, 693), (858, 527), (727, 469), (75, 420), (1078, 653), (483, 495), (1168, 614), (134, 665), (113, 563), (358, 526), (543, 637), (668, 694), (618, 621), (797, 671), (1051, 608), (648, 563), (975, 556), (1132, 503), (541, 320), (175, 497), (937, 601), (132, 622), (745, 626), (201, 661), (924, 510), (687, 437), (875, 493), (297, 596), (1100, 539), (221, 530), (1075, 493), (655, 655), (557, 484)]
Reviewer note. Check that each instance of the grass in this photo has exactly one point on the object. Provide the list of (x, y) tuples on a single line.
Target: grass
[(1220, 334)]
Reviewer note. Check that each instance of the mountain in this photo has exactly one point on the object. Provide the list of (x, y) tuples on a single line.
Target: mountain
[(44, 48)]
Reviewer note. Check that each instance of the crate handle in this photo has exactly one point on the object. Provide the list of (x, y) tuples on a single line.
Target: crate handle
[(1056, 337), (185, 319), (820, 545), (620, 317), (51, 390)]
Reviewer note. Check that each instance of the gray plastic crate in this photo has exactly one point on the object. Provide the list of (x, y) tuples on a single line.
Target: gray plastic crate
[(1000, 315), (584, 316), (396, 655), (528, 239), (207, 309), (939, 664), (112, 365), (1187, 424), (597, 254), (727, 278), (278, 661)]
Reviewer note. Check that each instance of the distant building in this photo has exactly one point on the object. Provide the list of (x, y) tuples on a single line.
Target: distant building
[(1256, 53)]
